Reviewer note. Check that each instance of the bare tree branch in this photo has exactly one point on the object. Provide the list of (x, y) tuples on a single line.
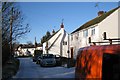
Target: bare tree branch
[(18, 28)]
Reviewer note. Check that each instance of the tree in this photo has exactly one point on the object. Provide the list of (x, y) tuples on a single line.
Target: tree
[(46, 37), (11, 15), (29, 43), (12, 22)]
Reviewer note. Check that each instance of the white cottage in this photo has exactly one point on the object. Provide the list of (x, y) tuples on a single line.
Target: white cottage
[(104, 22), (27, 49), (57, 44)]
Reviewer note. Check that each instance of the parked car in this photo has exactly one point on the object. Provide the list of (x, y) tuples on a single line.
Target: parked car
[(99, 62), (38, 59), (47, 60), (37, 53), (58, 60)]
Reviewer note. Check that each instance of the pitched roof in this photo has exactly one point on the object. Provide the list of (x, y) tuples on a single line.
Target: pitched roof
[(27, 46), (52, 35), (54, 41), (96, 20)]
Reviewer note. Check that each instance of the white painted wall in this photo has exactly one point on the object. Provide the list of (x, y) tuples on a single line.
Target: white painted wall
[(119, 23), (39, 48), (65, 47), (55, 49), (24, 50), (82, 41), (44, 45), (75, 43), (108, 25)]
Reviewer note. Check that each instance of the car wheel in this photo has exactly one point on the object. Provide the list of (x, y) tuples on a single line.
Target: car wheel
[(33, 60), (37, 62)]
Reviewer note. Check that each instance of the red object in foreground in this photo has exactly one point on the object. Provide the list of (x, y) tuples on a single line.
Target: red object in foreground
[(100, 62)]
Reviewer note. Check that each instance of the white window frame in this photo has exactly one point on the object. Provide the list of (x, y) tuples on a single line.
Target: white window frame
[(92, 31), (77, 35), (71, 37), (85, 33), (64, 42)]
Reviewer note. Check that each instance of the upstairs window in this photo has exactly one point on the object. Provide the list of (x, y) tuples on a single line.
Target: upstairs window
[(71, 37), (77, 35), (85, 33), (93, 31), (64, 42)]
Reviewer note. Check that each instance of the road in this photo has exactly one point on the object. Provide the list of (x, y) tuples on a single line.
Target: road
[(29, 69)]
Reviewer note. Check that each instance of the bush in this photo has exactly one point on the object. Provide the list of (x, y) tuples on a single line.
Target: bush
[(7, 74), (5, 52), (10, 68), (14, 62)]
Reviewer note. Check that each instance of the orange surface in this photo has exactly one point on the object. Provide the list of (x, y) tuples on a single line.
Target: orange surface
[(89, 60)]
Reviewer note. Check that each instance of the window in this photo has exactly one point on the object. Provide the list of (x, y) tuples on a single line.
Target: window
[(85, 33), (77, 35), (71, 37), (92, 31), (64, 42)]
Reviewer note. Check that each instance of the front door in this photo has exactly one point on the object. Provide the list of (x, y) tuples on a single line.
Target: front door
[(72, 52)]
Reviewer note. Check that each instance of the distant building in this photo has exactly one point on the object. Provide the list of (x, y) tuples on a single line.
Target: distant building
[(57, 44), (104, 22), (26, 50)]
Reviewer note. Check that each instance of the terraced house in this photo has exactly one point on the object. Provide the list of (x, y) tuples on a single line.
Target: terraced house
[(105, 22)]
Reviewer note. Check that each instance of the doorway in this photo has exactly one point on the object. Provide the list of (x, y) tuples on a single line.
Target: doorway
[(71, 52)]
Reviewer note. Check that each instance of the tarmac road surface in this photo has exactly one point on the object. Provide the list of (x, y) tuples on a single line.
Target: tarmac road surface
[(29, 69)]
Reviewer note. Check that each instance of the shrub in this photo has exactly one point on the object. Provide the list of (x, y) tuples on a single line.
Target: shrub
[(10, 68)]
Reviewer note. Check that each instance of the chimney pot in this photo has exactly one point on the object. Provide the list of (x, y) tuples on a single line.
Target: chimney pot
[(100, 13), (62, 26)]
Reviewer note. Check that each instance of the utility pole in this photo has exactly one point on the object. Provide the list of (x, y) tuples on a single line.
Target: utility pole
[(11, 22), (35, 43)]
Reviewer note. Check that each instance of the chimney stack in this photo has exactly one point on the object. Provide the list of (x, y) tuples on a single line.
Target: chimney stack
[(100, 13), (62, 26)]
